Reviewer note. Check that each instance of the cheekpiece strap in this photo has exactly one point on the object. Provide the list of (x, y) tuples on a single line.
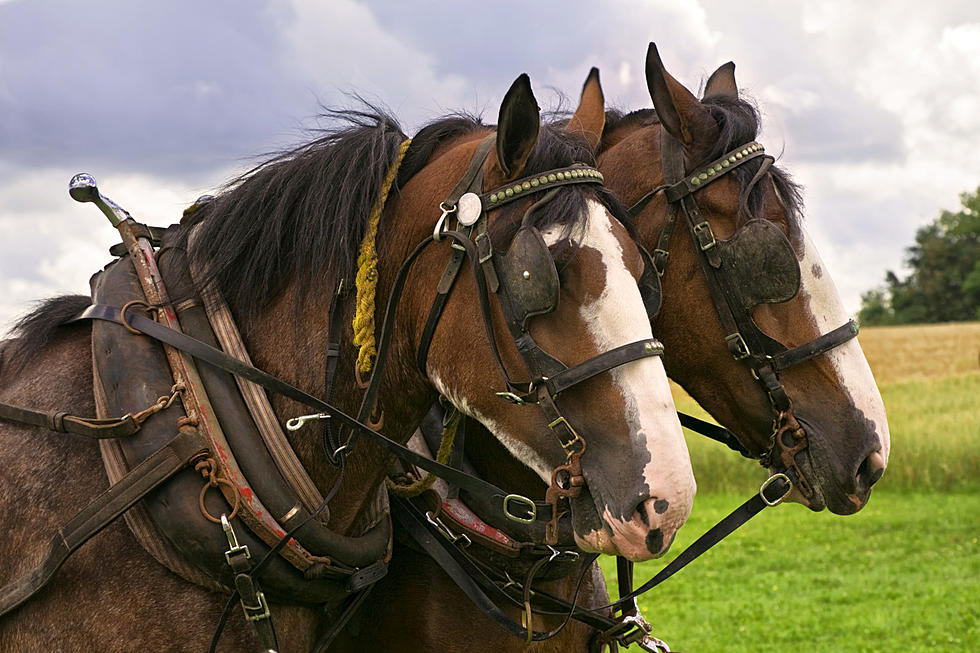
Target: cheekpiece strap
[(576, 174)]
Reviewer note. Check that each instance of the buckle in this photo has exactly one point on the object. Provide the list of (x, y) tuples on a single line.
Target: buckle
[(706, 238), (256, 612), (567, 446), (769, 481), (532, 508), (737, 346)]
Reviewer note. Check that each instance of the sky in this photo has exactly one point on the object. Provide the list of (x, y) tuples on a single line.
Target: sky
[(873, 106)]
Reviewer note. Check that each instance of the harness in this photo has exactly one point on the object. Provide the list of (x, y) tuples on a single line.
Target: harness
[(756, 265), (202, 448)]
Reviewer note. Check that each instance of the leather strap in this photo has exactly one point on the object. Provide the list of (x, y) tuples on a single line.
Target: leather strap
[(64, 423), (821, 345), (221, 360), (103, 510)]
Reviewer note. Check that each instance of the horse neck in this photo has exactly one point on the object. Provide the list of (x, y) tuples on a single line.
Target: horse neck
[(289, 339)]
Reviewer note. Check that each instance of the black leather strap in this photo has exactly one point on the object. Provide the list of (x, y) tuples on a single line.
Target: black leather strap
[(221, 360), (771, 494), (821, 345), (102, 510), (602, 363)]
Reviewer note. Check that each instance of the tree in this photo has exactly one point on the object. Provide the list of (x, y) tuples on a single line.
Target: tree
[(944, 283)]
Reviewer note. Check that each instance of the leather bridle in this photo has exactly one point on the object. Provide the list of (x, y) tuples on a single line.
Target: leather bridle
[(765, 356), (548, 375)]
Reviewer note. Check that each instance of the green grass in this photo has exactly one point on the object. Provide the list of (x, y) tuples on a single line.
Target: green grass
[(901, 575)]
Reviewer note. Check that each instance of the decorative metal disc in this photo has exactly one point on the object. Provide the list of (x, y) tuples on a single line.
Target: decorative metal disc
[(468, 209)]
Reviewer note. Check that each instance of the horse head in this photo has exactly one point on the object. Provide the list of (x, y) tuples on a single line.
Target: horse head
[(567, 271), (753, 324)]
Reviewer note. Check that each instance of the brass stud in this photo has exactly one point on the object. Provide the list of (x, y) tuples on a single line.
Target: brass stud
[(509, 192), (739, 155), (552, 177), (695, 181), (493, 198), (703, 176), (543, 179), (535, 183), (725, 163), (732, 158), (526, 185), (517, 188), (526, 275)]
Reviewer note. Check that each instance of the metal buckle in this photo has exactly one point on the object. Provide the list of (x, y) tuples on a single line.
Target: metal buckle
[(528, 503), (233, 547), (448, 534), (566, 445), (705, 243), (769, 481), (741, 351), (262, 609)]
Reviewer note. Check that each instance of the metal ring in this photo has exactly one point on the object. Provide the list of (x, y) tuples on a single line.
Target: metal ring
[(769, 481), (215, 481), (122, 315)]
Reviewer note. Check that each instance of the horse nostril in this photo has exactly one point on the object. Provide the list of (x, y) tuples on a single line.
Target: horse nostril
[(870, 470)]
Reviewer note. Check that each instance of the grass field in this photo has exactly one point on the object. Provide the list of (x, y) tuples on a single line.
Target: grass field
[(901, 575)]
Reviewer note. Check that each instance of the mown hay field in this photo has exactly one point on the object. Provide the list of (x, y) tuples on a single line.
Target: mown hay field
[(901, 575)]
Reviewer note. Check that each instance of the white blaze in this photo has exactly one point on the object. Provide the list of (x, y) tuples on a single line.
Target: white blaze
[(615, 318), (849, 363)]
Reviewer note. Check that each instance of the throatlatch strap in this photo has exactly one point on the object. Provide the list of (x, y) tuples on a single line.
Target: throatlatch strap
[(103, 510)]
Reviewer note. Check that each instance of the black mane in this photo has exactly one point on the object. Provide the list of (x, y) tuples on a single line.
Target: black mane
[(33, 331), (739, 123), (303, 213)]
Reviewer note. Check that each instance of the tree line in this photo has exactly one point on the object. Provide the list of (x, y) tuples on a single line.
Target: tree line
[(944, 282)]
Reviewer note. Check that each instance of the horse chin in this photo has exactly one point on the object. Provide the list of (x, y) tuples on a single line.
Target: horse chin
[(594, 534), (841, 492)]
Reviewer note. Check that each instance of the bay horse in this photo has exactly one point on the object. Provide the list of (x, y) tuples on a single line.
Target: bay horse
[(834, 395), (276, 243)]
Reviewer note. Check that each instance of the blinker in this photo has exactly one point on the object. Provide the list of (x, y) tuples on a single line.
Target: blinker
[(761, 263)]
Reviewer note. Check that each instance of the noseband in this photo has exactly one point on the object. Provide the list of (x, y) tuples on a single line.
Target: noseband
[(525, 281), (770, 273)]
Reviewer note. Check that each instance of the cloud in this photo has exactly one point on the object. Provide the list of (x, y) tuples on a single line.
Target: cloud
[(873, 105)]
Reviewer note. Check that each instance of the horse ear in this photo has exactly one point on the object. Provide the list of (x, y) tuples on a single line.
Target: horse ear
[(517, 128), (679, 110), (590, 117), (722, 83)]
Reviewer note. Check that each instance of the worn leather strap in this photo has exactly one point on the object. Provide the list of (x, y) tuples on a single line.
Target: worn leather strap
[(473, 581), (602, 363), (221, 360), (64, 423), (821, 345), (102, 510)]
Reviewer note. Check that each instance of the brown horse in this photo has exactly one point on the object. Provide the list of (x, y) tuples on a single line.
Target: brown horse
[(834, 395), (275, 243)]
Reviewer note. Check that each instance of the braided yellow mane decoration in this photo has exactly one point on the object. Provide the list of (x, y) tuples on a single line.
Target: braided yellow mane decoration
[(367, 272)]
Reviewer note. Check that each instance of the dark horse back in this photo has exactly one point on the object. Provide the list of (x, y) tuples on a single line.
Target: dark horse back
[(45, 478)]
